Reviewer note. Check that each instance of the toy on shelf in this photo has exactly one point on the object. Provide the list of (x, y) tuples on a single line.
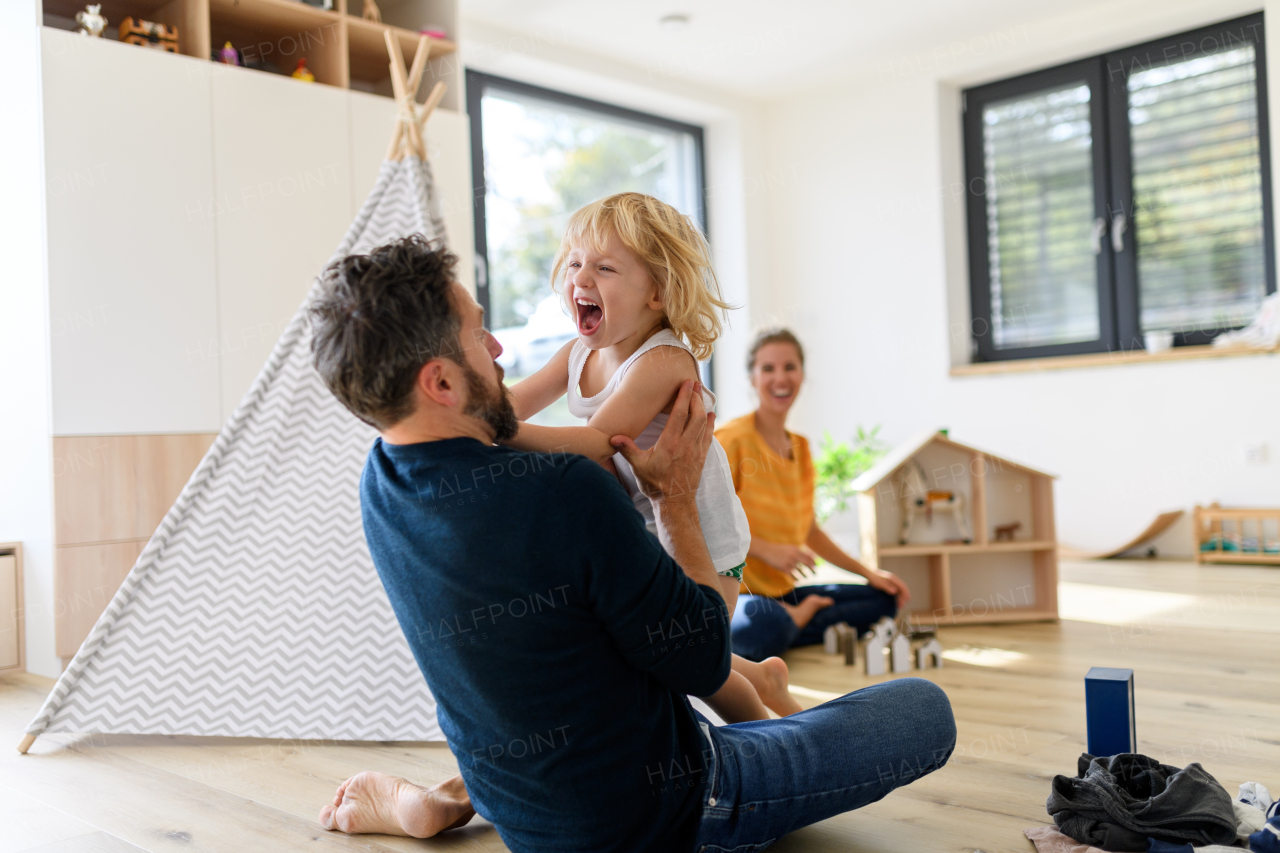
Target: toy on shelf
[(229, 55), (149, 34), (301, 72), (372, 12), (90, 21), (1225, 535), (916, 496), (1005, 532), (998, 578)]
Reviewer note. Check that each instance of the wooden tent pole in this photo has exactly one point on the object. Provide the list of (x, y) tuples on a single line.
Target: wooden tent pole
[(26, 743)]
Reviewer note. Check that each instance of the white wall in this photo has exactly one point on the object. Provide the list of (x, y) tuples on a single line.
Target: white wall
[(26, 496), (867, 246), (738, 173)]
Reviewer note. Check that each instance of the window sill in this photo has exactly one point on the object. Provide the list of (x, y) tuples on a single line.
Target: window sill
[(1100, 359)]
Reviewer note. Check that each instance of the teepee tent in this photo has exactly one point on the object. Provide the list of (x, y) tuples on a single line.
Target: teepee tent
[(255, 609)]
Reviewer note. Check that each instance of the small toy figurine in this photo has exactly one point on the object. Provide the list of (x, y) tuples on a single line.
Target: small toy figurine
[(228, 55), (372, 12), (302, 72), (90, 21), (1005, 531)]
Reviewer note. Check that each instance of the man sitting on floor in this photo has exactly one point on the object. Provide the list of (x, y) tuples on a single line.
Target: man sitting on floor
[(557, 635)]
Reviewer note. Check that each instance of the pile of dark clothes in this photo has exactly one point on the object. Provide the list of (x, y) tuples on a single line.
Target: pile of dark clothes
[(1120, 801)]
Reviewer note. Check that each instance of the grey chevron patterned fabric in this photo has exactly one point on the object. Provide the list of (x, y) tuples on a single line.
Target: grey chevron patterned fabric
[(255, 610)]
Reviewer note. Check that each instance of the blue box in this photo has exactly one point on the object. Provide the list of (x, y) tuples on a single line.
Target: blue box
[(1108, 703)]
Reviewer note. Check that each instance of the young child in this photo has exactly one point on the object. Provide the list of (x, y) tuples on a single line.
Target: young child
[(637, 278)]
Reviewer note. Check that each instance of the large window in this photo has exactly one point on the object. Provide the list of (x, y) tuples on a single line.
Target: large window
[(539, 156), (1121, 195)]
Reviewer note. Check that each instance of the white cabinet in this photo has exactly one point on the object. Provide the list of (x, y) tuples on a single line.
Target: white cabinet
[(281, 203), (190, 207), (132, 300)]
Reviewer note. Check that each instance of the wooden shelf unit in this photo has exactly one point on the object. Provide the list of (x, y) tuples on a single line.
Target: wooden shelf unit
[(1214, 523), (339, 47), (966, 582), (13, 640)]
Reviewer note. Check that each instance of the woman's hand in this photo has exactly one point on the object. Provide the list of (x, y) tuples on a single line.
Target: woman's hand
[(794, 560), (890, 583)]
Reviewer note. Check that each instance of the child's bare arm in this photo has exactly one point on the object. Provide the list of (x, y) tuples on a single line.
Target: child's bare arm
[(534, 393), (584, 440), (647, 390)]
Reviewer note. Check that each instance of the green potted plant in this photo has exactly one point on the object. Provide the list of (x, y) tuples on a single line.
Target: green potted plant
[(838, 464)]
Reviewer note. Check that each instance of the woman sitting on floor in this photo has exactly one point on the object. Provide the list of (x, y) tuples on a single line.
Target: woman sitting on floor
[(774, 478)]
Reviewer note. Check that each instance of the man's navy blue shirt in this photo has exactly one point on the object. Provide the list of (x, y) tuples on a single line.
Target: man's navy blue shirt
[(557, 637)]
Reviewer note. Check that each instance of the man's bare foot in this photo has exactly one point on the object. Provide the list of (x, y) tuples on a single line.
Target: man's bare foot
[(802, 613), (373, 802), (772, 687)]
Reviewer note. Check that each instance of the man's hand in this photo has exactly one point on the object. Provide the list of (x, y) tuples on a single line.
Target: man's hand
[(672, 468), (669, 474)]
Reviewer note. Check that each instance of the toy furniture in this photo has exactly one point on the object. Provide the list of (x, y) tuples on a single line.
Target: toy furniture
[(1237, 535), (1109, 711), (916, 496), (960, 569)]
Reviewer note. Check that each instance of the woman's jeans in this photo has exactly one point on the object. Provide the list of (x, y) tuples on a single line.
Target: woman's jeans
[(762, 628), (770, 777)]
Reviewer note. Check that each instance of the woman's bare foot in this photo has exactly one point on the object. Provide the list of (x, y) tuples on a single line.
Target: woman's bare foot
[(373, 802), (775, 678), (803, 612)]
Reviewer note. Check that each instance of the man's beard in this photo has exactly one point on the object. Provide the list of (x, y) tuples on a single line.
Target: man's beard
[(493, 406)]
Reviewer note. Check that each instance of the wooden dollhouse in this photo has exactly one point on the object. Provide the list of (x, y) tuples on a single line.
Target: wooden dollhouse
[(970, 532)]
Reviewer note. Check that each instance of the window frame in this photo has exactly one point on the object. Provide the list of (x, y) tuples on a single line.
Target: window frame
[(1119, 291), (479, 82)]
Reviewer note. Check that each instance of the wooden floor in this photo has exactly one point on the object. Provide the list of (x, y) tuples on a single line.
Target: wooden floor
[(1203, 641)]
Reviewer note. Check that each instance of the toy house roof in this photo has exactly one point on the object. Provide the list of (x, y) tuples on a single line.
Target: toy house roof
[(896, 457)]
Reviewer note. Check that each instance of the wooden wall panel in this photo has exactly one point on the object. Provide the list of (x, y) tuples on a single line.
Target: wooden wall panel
[(164, 464), (86, 578), (94, 484), (109, 493)]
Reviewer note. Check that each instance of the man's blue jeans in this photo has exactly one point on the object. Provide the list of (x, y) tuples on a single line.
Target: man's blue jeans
[(771, 777), (762, 628)]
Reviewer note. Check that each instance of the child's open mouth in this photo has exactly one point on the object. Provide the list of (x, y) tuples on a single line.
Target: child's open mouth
[(589, 315)]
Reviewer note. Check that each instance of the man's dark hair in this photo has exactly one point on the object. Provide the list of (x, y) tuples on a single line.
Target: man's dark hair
[(378, 319), (773, 336)]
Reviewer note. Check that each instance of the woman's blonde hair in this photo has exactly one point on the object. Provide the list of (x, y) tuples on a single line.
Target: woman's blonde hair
[(671, 247)]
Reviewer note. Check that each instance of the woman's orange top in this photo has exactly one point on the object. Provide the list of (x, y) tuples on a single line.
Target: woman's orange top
[(776, 494)]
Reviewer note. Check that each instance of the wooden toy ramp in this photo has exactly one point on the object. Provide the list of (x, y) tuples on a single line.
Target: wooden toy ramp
[(1162, 522)]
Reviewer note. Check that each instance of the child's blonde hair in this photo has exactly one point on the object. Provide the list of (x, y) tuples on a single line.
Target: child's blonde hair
[(671, 247)]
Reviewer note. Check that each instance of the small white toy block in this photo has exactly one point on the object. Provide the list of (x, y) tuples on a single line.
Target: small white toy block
[(900, 653), (874, 650), (831, 640), (929, 654), (848, 639)]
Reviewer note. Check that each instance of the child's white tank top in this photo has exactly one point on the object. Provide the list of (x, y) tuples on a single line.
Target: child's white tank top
[(724, 524)]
